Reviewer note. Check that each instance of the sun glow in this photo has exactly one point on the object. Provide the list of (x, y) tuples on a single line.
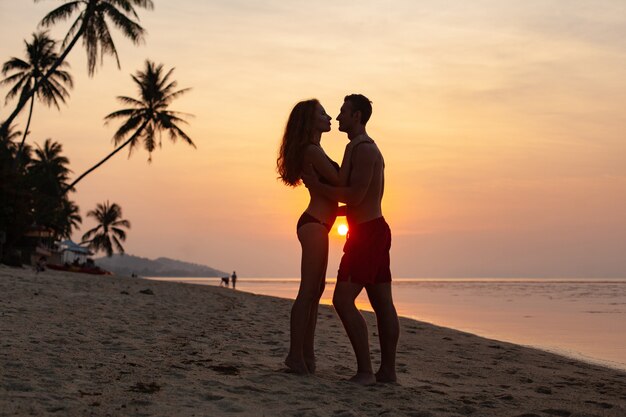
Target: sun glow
[(342, 229)]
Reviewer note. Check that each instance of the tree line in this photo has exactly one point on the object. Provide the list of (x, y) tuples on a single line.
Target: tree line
[(35, 182)]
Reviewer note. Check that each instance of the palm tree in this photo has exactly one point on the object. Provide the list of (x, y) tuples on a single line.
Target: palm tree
[(26, 74), (92, 25), (69, 218), (47, 177), (14, 192), (109, 230), (8, 148), (148, 115), (7, 136), (50, 167)]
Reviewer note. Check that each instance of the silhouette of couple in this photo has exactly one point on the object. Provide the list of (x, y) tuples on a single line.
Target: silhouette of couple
[(359, 183)]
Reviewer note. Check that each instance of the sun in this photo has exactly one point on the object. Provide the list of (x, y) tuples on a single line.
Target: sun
[(342, 229)]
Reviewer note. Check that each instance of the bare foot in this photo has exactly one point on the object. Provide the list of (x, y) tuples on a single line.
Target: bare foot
[(363, 378), (297, 366), (386, 376)]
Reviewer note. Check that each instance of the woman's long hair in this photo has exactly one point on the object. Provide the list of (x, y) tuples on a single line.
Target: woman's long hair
[(298, 135)]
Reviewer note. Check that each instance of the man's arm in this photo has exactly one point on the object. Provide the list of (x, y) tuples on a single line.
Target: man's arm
[(362, 173), (321, 164)]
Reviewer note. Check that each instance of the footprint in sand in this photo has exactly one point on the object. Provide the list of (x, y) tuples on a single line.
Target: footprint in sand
[(544, 390), (225, 369), (149, 388), (209, 397), (601, 405), (558, 413)]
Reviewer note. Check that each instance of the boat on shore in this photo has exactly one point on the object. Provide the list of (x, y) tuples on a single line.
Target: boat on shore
[(83, 269)]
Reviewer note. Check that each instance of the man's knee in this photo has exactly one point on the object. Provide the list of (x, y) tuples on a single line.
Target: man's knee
[(338, 301), (342, 302)]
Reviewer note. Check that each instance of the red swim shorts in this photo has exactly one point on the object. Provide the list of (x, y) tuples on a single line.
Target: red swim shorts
[(366, 253)]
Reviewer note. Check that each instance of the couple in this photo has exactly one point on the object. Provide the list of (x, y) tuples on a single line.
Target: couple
[(359, 183)]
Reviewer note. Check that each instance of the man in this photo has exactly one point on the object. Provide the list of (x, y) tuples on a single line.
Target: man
[(233, 277), (365, 263)]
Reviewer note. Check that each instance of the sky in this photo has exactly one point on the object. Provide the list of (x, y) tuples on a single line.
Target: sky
[(502, 125)]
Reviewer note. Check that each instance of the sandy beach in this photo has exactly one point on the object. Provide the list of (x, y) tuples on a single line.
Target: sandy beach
[(80, 345)]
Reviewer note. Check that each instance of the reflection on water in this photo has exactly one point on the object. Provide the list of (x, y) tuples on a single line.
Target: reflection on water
[(584, 318)]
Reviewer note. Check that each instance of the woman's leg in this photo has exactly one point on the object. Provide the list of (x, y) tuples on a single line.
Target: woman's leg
[(309, 338), (314, 241)]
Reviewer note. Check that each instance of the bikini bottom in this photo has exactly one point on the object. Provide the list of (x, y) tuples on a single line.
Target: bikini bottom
[(307, 218)]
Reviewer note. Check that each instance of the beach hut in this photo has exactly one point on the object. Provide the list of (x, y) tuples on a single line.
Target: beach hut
[(72, 252)]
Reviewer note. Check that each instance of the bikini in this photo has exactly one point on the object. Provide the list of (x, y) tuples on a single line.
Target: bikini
[(306, 217)]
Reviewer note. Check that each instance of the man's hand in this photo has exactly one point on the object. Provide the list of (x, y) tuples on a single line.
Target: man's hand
[(309, 177)]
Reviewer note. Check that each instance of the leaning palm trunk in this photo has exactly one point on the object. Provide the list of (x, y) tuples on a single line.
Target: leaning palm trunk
[(119, 148), (19, 149), (25, 97)]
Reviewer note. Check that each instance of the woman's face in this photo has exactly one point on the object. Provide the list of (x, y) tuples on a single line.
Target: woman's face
[(322, 120)]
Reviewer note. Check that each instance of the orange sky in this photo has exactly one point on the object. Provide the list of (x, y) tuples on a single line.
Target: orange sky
[(502, 126)]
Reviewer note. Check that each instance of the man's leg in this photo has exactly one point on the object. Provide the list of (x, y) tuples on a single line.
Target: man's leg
[(388, 329), (356, 328)]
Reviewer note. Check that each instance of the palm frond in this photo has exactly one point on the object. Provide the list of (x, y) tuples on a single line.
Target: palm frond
[(168, 98), (121, 234), (73, 30), (15, 64), (183, 135), (131, 123), (130, 29), (14, 78), (90, 233), (118, 245), (19, 88), (60, 13), (130, 101), (124, 223)]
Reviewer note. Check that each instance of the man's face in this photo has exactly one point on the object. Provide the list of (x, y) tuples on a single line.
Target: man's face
[(346, 117)]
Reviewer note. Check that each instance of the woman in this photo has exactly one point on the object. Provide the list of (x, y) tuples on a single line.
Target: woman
[(300, 149)]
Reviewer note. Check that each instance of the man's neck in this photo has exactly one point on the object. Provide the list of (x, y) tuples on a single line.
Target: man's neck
[(356, 133)]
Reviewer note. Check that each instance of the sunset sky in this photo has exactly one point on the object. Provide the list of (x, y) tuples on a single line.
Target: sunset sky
[(502, 124)]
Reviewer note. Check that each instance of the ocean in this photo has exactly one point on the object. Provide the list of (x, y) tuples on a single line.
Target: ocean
[(580, 318)]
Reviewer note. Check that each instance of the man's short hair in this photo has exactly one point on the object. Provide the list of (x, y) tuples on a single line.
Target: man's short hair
[(362, 104)]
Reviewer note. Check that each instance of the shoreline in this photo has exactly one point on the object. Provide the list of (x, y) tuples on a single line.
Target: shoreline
[(78, 345), (570, 352)]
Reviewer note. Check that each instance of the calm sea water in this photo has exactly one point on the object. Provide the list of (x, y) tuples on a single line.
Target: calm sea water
[(581, 318)]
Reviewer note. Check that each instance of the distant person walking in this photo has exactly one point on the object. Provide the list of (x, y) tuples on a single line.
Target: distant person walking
[(365, 262), (300, 148), (233, 278)]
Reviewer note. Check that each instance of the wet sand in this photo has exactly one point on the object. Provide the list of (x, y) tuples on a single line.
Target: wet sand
[(78, 345)]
